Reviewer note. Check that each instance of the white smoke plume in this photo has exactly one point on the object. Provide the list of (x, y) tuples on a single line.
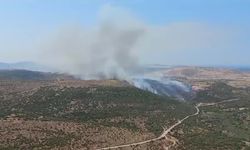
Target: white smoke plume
[(118, 42), (101, 52)]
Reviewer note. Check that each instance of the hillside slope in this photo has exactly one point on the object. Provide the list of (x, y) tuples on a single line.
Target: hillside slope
[(54, 116)]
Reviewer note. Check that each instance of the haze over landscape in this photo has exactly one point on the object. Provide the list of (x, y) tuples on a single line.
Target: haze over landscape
[(125, 74), (159, 32)]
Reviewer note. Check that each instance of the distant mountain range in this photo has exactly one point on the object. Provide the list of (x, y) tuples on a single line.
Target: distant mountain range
[(29, 71), (24, 66), (32, 75)]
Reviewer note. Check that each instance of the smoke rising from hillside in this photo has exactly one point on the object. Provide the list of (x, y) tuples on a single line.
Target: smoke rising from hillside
[(106, 51), (114, 46)]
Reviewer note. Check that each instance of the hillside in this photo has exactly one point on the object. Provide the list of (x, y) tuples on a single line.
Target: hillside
[(53, 111), (53, 116)]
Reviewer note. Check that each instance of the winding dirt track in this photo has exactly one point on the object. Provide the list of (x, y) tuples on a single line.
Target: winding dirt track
[(165, 132)]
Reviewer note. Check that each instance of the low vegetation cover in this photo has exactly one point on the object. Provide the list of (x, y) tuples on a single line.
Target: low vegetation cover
[(218, 91), (124, 109), (220, 127), (224, 126), (42, 114)]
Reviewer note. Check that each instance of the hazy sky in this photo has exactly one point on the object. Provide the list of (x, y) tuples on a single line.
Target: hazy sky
[(177, 32)]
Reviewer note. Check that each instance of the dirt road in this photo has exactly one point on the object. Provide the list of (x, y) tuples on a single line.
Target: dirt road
[(165, 132)]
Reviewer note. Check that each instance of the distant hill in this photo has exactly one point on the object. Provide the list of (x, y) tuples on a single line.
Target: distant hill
[(31, 75), (205, 73), (24, 66)]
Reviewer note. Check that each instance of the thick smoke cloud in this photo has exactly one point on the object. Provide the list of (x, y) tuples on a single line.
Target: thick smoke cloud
[(116, 44), (106, 51)]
